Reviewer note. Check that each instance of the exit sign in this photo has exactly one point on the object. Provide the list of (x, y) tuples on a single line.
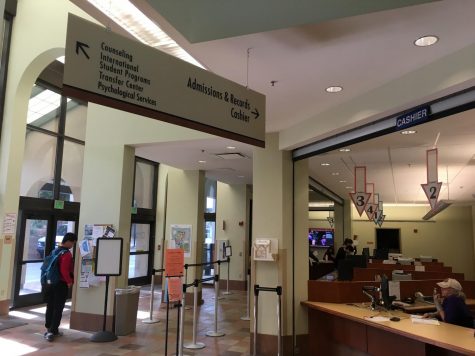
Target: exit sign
[(59, 204)]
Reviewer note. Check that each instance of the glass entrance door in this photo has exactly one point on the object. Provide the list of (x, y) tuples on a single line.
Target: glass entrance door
[(39, 235), (141, 253)]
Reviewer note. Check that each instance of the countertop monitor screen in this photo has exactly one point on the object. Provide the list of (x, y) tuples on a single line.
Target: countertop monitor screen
[(320, 237)]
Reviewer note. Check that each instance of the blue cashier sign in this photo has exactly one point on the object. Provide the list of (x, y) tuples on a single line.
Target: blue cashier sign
[(412, 118)]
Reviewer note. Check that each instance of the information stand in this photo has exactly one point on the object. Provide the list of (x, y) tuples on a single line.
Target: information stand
[(108, 263)]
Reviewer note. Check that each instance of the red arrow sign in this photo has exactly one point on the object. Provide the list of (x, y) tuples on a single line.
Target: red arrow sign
[(360, 198), (432, 187), (370, 208)]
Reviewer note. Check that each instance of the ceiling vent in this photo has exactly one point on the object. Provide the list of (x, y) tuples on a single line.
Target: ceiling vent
[(234, 155)]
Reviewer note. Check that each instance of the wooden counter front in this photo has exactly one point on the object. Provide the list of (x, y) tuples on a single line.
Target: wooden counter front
[(336, 329)]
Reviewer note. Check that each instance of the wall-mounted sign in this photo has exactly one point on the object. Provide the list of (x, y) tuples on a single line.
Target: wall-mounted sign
[(112, 70), (59, 204), (265, 249), (412, 118)]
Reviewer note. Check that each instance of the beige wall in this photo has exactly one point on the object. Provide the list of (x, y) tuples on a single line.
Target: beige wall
[(273, 204), (448, 236), (231, 208), (38, 38), (185, 206)]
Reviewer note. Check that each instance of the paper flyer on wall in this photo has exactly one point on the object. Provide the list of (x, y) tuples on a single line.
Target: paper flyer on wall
[(181, 238), (94, 231)]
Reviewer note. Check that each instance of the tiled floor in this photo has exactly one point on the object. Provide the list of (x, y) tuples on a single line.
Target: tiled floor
[(148, 338)]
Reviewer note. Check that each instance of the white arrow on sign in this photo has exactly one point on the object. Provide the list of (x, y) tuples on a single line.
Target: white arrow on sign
[(378, 215), (360, 198), (370, 207), (432, 187)]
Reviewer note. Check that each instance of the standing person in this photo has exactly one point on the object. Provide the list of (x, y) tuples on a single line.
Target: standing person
[(452, 309), (344, 250), (56, 294)]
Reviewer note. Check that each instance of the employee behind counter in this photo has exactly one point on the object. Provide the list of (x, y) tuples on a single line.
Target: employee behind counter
[(450, 304)]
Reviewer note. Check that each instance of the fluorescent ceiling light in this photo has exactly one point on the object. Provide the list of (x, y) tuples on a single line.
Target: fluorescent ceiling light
[(408, 132), (344, 150), (134, 21), (42, 104), (343, 181), (321, 204), (230, 147), (325, 164), (335, 174), (426, 41), (201, 161), (240, 176), (349, 187), (334, 89)]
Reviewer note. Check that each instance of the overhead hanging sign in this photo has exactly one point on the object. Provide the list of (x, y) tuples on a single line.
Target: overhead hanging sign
[(432, 187), (360, 198), (412, 118), (112, 70), (371, 207), (378, 216)]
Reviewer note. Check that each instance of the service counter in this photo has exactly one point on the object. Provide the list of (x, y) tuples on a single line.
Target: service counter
[(341, 329)]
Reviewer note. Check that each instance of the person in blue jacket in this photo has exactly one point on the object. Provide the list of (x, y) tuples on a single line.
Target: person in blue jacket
[(450, 304)]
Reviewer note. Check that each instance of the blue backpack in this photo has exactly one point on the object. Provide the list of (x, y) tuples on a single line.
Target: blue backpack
[(50, 274)]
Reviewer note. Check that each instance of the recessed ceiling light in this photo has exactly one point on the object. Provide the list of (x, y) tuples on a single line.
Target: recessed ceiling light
[(408, 132), (426, 41), (325, 164), (343, 181), (335, 174), (230, 147), (201, 161), (334, 89), (344, 150)]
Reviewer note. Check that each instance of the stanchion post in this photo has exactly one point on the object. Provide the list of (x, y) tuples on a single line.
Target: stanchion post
[(248, 298), (256, 299), (227, 279), (215, 332), (279, 320), (151, 320), (195, 345), (182, 323)]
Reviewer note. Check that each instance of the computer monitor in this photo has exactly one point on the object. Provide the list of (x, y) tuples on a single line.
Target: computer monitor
[(386, 299), (358, 260), (345, 270), (381, 253)]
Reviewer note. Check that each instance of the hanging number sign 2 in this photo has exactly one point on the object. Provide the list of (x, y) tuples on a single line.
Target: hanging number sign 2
[(432, 187)]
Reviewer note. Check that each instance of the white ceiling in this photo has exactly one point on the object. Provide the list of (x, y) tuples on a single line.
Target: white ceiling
[(360, 53), (396, 163)]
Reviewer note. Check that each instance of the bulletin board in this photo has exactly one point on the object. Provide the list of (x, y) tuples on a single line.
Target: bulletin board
[(108, 256)]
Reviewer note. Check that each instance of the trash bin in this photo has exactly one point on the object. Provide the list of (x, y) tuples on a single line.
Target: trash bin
[(126, 306)]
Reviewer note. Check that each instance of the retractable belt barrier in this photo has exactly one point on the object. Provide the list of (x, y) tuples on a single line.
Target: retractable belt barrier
[(277, 290), (179, 305), (151, 320), (228, 261), (248, 284), (196, 345)]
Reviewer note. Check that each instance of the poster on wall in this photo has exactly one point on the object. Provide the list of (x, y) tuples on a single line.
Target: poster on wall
[(181, 238)]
